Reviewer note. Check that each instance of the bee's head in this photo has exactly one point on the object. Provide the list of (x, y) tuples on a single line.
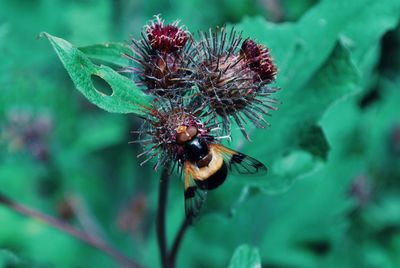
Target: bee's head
[(185, 134)]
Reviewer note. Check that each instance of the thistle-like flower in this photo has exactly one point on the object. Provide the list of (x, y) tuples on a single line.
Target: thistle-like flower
[(161, 67), (232, 78), (169, 125)]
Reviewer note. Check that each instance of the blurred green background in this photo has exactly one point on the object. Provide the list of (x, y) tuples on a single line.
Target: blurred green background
[(331, 198)]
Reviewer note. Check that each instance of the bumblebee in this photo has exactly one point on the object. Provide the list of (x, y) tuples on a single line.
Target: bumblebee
[(206, 165)]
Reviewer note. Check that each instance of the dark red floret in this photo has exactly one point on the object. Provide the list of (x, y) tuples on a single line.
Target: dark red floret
[(168, 38), (258, 60)]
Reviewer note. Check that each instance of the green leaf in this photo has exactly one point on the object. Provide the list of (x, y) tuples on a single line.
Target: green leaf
[(301, 48), (296, 126), (313, 140), (100, 132), (108, 53), (8, 258), (296, 145), (245, 257), (312, 75), (126, 97), (364, 32)]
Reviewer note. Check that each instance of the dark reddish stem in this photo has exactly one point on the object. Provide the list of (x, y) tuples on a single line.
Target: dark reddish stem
[(168, 259), (178, 239), (162, 204), (66, 228)]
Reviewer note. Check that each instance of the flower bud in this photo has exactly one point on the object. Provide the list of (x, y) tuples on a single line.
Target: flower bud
[(231, 79), (161, 67), (257, 58)]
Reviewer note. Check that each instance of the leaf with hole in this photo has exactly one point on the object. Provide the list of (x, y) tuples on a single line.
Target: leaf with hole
[(126, 97)]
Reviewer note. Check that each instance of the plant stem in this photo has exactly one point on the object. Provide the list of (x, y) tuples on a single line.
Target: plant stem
[(168, 259), (162, 203), (66, 228), (178, 239)]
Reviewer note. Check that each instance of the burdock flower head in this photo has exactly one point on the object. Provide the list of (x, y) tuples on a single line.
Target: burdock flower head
[(232, 77), (169, 126), (161, 67)]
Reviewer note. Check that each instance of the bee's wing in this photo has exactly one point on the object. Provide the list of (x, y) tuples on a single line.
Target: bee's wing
[(194, 196), (239, 163)]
